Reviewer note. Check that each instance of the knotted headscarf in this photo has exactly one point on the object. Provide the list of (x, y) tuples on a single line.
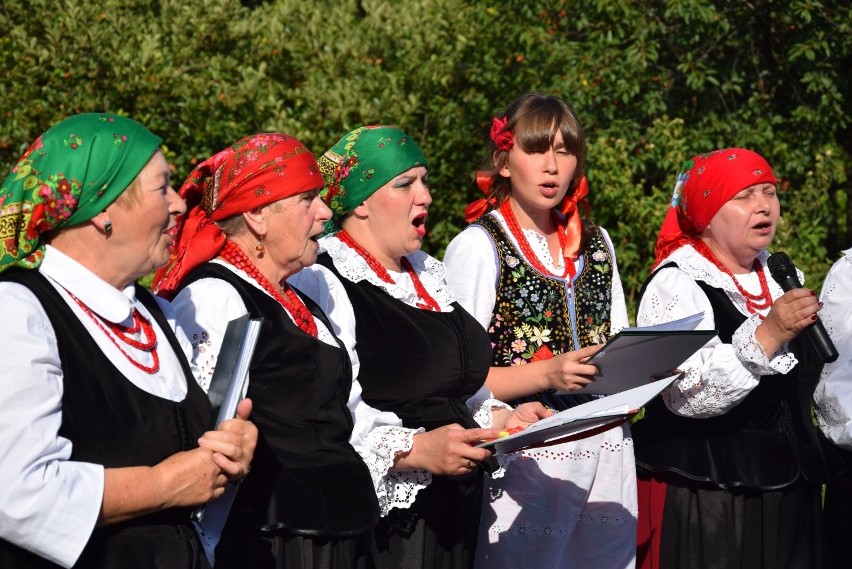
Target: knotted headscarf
[(69, 174), (256, 171), (704, 184), (363, 161)]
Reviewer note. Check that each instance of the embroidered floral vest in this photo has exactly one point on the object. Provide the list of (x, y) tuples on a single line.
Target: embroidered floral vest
[(536, 315)]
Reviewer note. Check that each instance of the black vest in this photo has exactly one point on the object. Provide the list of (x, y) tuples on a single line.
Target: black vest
[(305, 477), (528, 302), (111, 422), (766, 442), (419, 364)]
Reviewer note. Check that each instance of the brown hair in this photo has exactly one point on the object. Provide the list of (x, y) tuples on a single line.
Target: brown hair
[(534, 119)]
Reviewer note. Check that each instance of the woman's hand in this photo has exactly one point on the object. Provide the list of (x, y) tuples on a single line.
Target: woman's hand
[(447, 450), (790, 314), (233, 443), (184, 479), (522, 416), (188, 478), (567, 372)]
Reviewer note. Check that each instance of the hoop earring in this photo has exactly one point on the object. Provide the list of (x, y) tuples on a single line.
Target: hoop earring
[(107, 226)]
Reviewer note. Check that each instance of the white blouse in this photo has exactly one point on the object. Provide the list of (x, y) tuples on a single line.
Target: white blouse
[(719, 376), (379, 436), (833, 395), (49, 504)]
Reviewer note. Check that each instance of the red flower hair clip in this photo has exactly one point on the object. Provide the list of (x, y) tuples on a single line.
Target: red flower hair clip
[(504, 139)]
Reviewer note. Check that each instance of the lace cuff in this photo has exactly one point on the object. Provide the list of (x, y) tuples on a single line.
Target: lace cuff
[(483, 411), (751, 354), (394, 488)]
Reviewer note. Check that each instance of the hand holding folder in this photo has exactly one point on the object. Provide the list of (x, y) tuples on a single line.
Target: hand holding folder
[(635, 356), (583, 420)]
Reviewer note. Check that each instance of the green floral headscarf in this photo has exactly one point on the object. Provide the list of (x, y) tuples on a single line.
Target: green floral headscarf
[(67, 176), (362, 162)]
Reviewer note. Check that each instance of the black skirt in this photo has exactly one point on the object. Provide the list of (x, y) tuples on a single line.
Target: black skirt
[(438, 531), (705, 527), (284, 550)]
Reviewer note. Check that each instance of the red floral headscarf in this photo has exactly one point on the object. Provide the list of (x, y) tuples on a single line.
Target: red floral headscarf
[(256, 171), (704, 184)]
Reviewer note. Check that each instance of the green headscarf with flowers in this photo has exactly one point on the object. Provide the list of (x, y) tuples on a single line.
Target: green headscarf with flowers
[(360, 163), (69, 174)]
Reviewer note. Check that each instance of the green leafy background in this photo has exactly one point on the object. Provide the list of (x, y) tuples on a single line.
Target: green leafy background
[(653, 82)]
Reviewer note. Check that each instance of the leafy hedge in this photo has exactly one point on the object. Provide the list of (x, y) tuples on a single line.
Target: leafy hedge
[(653, 81)]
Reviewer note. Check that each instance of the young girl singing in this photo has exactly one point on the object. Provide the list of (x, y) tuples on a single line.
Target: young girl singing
[(544, 284)]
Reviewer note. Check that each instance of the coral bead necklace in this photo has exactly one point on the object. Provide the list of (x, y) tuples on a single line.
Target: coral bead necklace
[(526, 249), (117, 332), (290, 301), (754, 302), (428, 303)]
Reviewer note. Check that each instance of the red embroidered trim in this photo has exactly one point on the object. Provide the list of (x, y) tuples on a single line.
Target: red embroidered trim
[(428, 303), (290, 301), (753, 302), (526, 249), (119, 331)]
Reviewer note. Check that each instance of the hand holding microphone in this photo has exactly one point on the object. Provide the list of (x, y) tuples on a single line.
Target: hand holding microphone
[(784, 272)]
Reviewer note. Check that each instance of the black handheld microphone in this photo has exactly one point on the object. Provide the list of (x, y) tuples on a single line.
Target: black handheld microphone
[(782, 270)]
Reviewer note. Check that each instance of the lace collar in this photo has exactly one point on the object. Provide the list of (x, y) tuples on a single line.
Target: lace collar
[(696, 266), (432, 273), (539, 245)]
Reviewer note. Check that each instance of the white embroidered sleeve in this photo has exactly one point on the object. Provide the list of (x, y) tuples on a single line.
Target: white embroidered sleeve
[(203, 310), (833, 395), (394, 488), (379, 437), (618, 312), (751, 353), (472, 273), (717, 376), (482, 405)]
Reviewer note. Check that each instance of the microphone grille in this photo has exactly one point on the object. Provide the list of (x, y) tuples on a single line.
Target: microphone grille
[(781, 267)]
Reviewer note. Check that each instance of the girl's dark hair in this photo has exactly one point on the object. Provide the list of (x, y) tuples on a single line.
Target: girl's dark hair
[(535, 119)]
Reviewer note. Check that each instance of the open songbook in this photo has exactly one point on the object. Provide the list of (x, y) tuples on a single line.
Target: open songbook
[(635, 356), (227, 387), (583, 420)]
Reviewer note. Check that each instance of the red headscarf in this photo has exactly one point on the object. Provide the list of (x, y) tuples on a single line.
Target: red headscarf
[(704, 184), (254, 172)]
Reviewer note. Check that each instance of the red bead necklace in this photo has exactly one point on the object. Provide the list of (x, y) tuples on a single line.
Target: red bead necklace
[(526, 249), (428, 303), (290, 301), (754, 302), (121, 332)]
